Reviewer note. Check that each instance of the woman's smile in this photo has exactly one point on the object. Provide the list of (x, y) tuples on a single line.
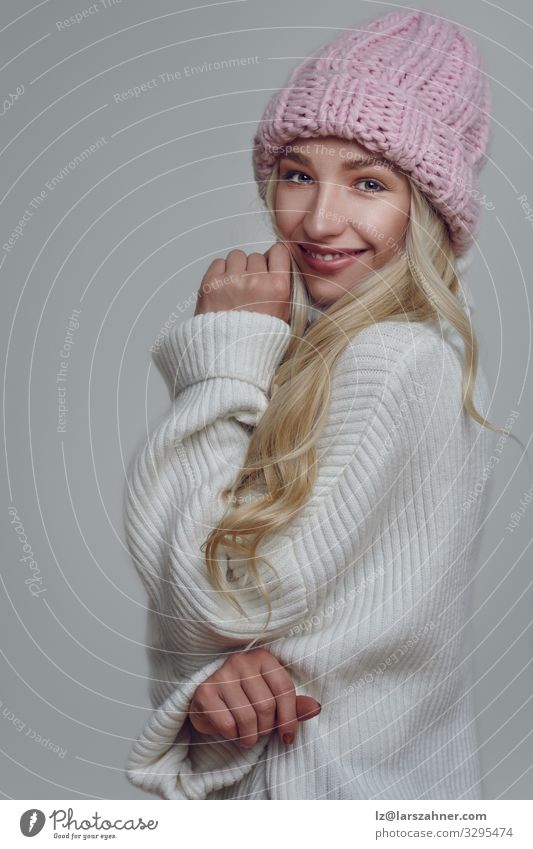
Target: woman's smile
[(330, 260)]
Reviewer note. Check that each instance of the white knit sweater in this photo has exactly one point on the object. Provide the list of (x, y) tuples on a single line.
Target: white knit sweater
[(372, 599)]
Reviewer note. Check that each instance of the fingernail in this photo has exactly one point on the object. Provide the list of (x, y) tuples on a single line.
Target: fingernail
[(288, 738)]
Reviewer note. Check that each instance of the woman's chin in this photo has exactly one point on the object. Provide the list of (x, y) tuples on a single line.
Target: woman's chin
[(323, 296)]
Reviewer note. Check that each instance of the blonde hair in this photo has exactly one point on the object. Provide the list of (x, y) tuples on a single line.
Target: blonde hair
[(419, 283)]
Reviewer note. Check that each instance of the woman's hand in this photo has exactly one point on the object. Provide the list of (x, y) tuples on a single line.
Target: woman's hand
[(247, 698), (257, 283)]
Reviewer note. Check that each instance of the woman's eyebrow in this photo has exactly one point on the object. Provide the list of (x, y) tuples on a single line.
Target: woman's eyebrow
[(351, 164)]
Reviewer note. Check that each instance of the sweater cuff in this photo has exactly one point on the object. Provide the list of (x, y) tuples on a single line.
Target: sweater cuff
[(173, 762), (229, 343)]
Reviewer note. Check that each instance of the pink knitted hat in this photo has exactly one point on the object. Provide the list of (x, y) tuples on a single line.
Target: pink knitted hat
[(408, 85)]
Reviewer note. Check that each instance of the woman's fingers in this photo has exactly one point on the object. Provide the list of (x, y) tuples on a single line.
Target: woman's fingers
[(249, 696), (236, 261), (282, 687), (307, 707), (258, 283), (217, 266), (262, 700), (242, 712), (256, 264), (279, 258), (209, 714)]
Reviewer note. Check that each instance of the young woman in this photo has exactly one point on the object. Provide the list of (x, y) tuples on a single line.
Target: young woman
[(306, 517)]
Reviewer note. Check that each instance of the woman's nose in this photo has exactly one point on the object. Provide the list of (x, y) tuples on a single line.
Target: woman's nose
[(327, 215)]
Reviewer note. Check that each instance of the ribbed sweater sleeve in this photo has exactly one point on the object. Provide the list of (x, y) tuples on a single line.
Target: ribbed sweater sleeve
[(232, 344), (218, 368)]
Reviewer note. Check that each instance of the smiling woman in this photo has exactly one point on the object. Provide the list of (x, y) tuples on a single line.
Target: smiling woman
[(342, 214), (296, 517)]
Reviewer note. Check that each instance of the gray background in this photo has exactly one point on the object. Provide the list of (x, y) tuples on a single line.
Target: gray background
[(125, 237)]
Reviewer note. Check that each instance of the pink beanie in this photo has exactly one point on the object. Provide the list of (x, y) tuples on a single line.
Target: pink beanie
[(408, 85)]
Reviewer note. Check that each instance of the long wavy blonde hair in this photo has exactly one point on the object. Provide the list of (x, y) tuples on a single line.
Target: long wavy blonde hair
[(418, 284)]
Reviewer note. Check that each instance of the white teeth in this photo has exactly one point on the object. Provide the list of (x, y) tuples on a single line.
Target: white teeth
[(326, 257)]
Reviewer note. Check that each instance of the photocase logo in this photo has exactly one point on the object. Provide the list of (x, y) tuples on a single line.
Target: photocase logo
[(31, 822)]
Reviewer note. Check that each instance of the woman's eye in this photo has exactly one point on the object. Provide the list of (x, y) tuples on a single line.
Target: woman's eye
[(375, 185), (372, 185), (290, 174)]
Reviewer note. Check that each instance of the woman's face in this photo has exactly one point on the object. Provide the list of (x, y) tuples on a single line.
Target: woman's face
[(334, 196)]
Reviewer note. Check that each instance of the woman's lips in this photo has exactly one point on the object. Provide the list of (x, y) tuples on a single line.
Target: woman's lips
[(330, 266)]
